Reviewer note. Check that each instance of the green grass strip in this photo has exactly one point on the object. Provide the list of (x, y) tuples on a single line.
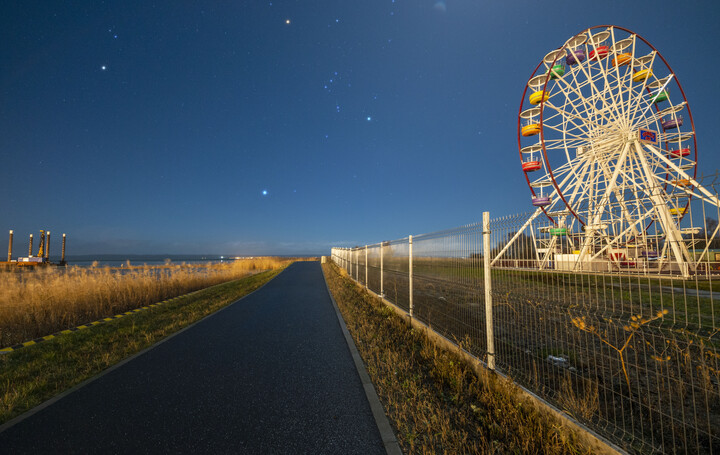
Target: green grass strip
[(34, 374)]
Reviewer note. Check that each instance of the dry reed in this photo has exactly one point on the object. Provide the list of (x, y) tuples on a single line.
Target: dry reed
[(435, 401), (40, 302)]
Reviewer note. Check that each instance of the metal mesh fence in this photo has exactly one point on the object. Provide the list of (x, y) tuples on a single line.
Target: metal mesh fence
[(374, 268), (448, 285), (620, 337), (396, 283), (628, 351)]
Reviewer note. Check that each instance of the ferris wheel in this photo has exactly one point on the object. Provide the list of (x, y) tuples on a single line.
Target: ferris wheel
[(607, 144)]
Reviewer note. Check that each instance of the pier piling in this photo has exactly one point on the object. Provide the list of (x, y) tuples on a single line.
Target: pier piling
[(62, 257), (10, 242)]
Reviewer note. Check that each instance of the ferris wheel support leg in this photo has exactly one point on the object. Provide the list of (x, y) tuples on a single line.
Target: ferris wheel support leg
[(673, 236), (590, 230), (535, 242), (548, 253), (517, 234)]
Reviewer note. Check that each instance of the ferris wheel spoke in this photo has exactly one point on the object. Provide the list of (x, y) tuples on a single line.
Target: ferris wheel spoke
[(646, 103), (561, 144), (622, 81), (582, 185), (560, 130), (577, 117), (572, 92), (587, 104), (607, 94)]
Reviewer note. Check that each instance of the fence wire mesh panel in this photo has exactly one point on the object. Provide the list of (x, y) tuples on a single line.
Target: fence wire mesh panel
[(625, 340), (616, 323), (396, 284), (361, 263), (448, 290), (374, 268)]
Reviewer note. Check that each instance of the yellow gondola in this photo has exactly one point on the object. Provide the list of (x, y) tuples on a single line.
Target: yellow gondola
[(678, 211), (530, 130), (538, 97), (642, 75)]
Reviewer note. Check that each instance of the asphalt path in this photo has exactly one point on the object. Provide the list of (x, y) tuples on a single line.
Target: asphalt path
[(270, 373)]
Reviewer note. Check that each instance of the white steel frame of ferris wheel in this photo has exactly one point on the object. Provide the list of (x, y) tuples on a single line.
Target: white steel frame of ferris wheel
[(660, 210), (580, 127)]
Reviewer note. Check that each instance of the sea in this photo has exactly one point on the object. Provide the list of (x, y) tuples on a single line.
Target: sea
[(119, 260)]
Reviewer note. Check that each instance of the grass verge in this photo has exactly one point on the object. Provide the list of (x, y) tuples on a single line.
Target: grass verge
[(434, 400), (35, 374)]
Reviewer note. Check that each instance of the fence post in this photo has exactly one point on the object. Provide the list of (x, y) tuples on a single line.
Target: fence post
[(366, 268), (410, 275), (488, 292), (382, 250), (357, 264)]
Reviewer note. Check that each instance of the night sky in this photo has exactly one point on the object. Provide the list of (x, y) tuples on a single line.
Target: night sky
[(288, 127)]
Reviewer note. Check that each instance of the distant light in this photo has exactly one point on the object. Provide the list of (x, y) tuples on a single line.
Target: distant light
[(264, 192), (287, 21), (369, 118), (103, 67)]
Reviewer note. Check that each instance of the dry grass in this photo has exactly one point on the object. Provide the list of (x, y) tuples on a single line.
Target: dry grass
[(40, 302), (435, 401), (33, 375)]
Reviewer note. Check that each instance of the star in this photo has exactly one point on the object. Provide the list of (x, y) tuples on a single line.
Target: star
[(368, 118), (264, 192), (103, 67), (287, 21)]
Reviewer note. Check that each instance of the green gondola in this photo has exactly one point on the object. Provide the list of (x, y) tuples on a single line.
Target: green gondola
[(557, 71), (662, 96), (558, 231)]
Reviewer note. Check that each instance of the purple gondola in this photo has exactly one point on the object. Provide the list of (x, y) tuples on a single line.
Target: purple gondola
[(672, 123), (576, 56), (541, 201)]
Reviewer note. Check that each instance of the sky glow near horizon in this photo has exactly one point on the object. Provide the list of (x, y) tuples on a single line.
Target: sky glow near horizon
[(288, 127)]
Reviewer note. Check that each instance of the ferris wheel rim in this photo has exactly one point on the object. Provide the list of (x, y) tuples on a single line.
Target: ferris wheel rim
[(576, 40), (519, 139)]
